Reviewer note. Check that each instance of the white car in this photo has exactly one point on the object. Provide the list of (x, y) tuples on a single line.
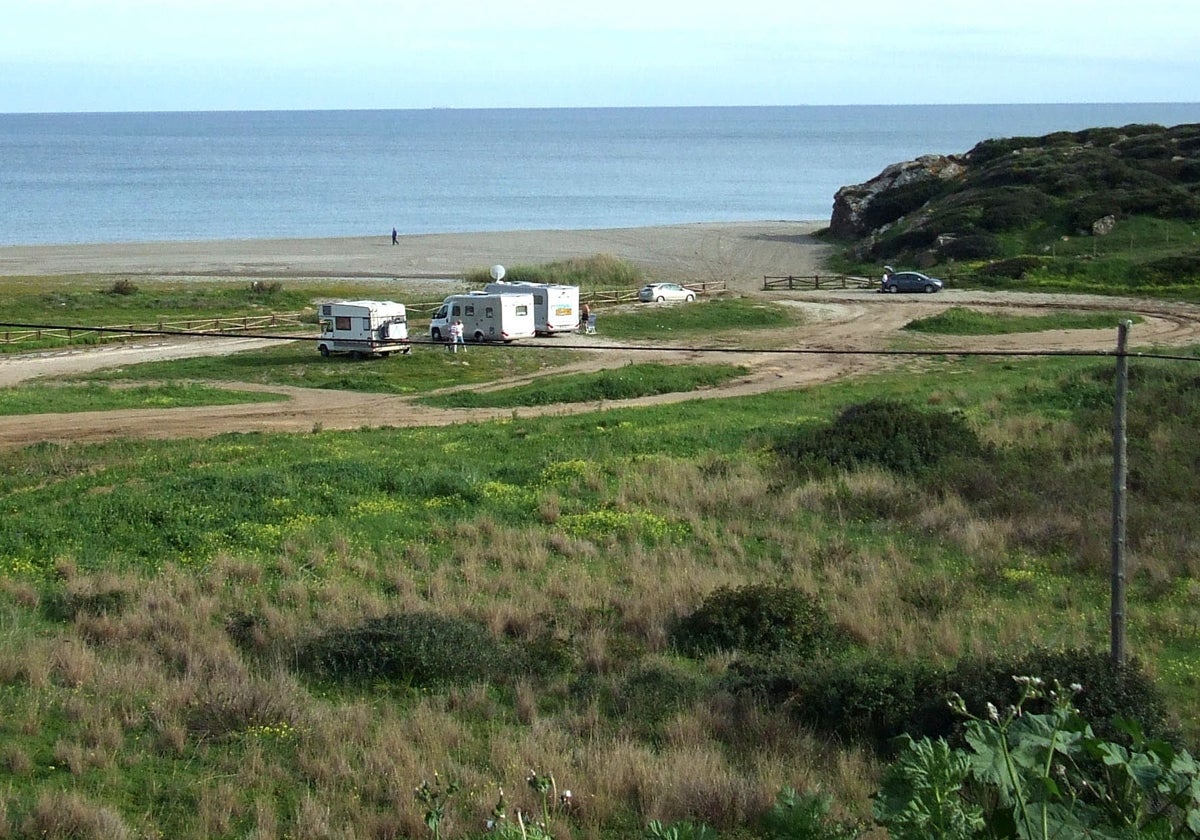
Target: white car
[(660, 292)]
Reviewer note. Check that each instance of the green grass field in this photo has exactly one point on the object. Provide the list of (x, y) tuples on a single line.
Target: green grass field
[(289, 635)]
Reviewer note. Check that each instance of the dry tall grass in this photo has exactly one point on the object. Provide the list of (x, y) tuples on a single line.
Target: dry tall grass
[(193, 665)]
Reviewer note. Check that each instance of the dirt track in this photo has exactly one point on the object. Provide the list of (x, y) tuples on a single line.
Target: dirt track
[(854, 320)]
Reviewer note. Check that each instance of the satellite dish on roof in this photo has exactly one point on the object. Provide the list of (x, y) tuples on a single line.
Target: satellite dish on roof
[(497, 272)]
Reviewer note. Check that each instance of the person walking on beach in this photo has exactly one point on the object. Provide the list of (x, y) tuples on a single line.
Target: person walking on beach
[(395, 237)]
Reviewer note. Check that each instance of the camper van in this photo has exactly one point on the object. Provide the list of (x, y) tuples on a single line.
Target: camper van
[(555, 307), (363, 328), (485, 317)]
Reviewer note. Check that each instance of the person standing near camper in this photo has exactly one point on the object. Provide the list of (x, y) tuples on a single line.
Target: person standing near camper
[(456, 337), (585, 312)]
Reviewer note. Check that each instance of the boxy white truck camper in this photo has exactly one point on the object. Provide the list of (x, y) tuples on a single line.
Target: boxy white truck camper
[(363, 328), (485, 317), (555, 306)]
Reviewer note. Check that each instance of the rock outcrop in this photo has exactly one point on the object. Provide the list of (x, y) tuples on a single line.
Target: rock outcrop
[(850, 203)]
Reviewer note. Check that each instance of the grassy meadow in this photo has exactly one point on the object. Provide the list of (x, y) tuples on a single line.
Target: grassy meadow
[(340, 634)]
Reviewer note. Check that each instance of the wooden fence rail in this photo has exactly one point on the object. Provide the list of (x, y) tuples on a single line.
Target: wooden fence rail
[(815, 282), (245, 323), (273, 321)]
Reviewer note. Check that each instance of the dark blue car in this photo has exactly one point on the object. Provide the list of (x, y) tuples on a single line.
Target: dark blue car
[(910, 281)]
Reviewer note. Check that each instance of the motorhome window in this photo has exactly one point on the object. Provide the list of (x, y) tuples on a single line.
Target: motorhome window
[(366, 323), (342, 322), (470, 310), (539, 300), (522, 310), (326, 310), (458, 309), (441, 313), (488, 313)]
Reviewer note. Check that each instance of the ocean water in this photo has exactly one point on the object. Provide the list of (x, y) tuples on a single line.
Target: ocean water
[(79, 178)]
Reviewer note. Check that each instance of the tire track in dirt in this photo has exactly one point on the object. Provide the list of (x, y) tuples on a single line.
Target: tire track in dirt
[(856, 320)]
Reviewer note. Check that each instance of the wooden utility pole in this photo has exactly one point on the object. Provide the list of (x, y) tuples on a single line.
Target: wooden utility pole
[(1120, 470)]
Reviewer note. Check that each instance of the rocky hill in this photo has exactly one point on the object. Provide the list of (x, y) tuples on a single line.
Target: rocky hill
[(1008, 194)]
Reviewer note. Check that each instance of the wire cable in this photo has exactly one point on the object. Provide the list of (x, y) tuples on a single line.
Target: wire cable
[(627, 348)]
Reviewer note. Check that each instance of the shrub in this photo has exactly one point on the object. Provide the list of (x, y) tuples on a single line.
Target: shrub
[(890, 205), (872, 702), (1108, 691), (1012, 208), (65, 606), (760, 618), (652, 694), (265, 287), (901, 242), (123, 286), (976, 246), (883, 433), (416, 649), (1012, 269)]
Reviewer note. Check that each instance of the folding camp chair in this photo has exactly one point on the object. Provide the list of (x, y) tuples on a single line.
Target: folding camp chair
[(590, 327)]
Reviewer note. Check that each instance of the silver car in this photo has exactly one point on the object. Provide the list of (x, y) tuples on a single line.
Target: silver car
[(910, 281), (660, 292)]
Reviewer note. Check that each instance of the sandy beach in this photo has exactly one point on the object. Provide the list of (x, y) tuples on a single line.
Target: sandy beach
[(739, 252)]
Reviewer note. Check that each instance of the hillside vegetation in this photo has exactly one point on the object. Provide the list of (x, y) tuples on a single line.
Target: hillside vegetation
[(1039, 212)]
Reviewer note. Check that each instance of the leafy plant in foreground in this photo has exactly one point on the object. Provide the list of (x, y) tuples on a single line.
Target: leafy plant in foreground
[(796, 816), (435, 797), (1028, 775)]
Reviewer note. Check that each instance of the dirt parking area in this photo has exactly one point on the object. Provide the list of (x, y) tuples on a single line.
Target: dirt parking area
[(840, 333)]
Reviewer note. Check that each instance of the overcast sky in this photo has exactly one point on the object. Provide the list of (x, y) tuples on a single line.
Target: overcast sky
[(151, 55)]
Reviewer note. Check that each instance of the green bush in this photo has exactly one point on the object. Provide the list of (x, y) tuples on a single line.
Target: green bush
[(890, 205), (653, 693), (599, 271), (912, 240), (416, 649), (1170, 271), (1012, 208), (1013, 268), (1109, 691), (65, 606), (759, 618), (871, 702), (883, 433), (975, 246), (868, 702)]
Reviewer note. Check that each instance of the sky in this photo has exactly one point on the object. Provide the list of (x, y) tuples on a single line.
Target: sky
[(185, 55)]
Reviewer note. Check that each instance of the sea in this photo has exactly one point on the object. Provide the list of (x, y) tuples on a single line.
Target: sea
[(143, 177)]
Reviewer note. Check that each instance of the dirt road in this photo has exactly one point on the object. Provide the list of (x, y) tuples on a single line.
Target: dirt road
[(741, 254), (858, 320)]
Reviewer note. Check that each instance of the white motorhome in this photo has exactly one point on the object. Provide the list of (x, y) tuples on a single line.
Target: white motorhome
[(363, 328), (555, 306), (485, 317)]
